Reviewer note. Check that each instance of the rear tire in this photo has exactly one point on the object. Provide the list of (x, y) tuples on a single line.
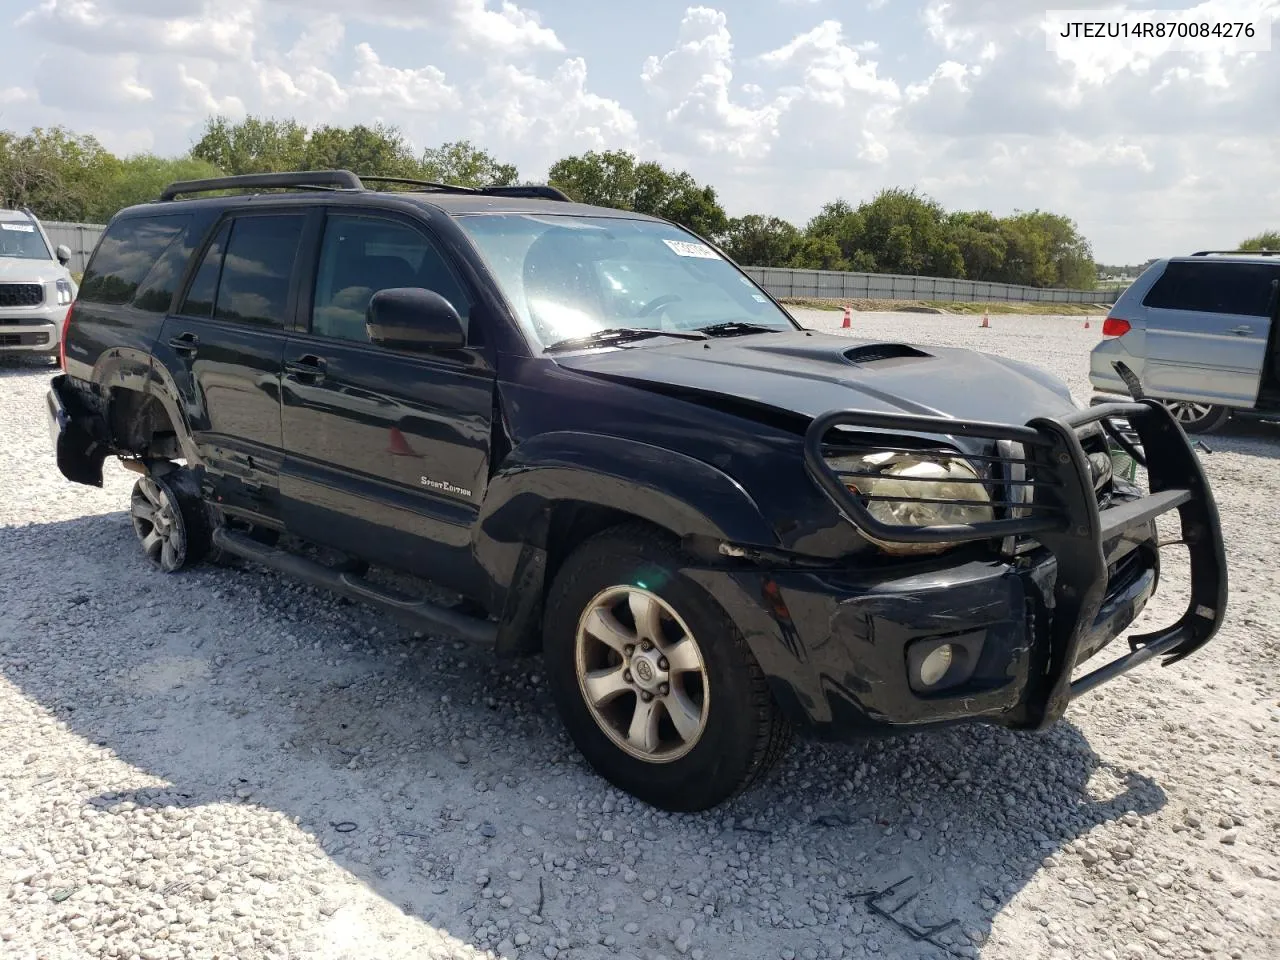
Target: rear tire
[(1197, 417), (172, 525), (654, 683)]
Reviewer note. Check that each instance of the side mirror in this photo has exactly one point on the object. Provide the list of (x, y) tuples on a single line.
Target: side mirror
[(414, 319), (63, 253)]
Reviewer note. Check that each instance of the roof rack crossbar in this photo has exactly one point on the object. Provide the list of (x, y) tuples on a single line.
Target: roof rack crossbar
[(432, 184), (340, 179), (532, 190), (1238, 253)]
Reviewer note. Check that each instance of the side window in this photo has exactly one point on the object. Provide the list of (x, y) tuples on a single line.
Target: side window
[(155, 293), (125, 255), (204, 285), (257, 268), (362, 255), (1240, 289)]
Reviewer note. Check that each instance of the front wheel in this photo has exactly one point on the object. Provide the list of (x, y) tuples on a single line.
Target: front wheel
[(653, 681), (1197, 417)]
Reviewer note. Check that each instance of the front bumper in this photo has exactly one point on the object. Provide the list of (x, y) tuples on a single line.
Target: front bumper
[(31, 329), (28, 335), (836, 645)]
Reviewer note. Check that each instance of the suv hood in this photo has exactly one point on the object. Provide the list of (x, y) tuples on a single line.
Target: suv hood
[(811, 373), (22, 270)]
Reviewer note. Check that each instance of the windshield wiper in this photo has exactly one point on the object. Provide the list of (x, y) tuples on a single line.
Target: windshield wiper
[(611, 335), (731, 328)]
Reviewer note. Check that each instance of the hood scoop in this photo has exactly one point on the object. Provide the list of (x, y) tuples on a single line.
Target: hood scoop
[(875, 352)]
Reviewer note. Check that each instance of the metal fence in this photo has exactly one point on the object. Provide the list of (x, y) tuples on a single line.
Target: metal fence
[(836, 285), (80, 237), (782, 282)]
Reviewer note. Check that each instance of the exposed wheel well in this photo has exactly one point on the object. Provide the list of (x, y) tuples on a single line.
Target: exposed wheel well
[(568, 523), (141, 426)]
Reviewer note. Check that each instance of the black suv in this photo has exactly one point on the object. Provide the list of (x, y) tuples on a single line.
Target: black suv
[(617, 450)]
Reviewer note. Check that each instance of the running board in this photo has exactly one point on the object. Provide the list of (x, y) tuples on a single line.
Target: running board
[(427, 616)]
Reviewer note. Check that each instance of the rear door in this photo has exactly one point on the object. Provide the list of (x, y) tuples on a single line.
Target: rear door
[(1207, 324), (387, 453), (223, 348)]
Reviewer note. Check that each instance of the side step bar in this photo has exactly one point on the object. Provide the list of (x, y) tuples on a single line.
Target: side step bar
[(422, 614)]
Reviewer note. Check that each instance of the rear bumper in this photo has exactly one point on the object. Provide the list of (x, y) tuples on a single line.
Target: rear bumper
[(839, 647), (77, 433)]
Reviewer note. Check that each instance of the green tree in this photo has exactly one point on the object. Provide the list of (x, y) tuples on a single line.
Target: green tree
[(142, 177), (977, 236), (254, 145), (57, 173), (1267, 240), (1046, 250), (759, 241), (676, 196), (606, 179), (904, 232), (378, 150), (613, 178), (467, 165)]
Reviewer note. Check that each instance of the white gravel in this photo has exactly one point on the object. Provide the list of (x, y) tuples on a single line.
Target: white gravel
[(225, 764)]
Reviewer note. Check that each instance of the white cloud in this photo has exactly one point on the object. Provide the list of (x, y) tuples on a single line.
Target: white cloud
[(693, 80)]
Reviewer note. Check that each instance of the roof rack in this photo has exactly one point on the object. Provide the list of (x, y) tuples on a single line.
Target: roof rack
[(1237, 253), (325, 179), (346, 180), (433, 184)]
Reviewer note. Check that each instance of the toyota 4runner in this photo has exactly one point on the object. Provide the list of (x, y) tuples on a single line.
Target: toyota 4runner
[(619, 452)]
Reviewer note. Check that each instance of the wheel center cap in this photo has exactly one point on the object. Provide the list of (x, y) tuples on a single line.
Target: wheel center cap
[(644, 667)]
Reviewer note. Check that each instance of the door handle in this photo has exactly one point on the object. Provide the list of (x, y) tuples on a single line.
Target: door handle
[(309, 369), (1242, 330), (185, 343)]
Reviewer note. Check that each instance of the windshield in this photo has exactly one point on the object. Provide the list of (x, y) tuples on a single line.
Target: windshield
[(21, 239), (568, 276)]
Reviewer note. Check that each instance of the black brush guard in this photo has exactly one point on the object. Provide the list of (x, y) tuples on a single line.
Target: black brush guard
[(1062, 513)]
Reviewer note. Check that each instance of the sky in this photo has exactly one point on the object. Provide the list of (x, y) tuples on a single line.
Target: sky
[(781, 105)]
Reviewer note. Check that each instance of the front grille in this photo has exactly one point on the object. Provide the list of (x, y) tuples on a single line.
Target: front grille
[(21, 294), (23, 339)]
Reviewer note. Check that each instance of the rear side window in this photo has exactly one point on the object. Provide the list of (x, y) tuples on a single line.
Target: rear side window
[(257, 268), (126, 254), (155, 293), (246, 271), (204, 285), (1241, 289)]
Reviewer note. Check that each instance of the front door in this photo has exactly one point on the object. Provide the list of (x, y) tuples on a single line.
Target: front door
[(1207, 328), (387, 453), (224, 346)]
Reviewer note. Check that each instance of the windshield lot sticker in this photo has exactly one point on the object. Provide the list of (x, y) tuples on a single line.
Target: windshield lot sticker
[(684, 248), (18, 227)]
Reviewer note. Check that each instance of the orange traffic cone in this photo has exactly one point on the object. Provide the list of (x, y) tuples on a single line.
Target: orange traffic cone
[(985, 321), (848, 318), (1086, 323), (398, 446)]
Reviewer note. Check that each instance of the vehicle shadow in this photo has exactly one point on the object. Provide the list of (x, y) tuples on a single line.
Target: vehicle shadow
[(438, 780), (1253, 438), (17, 365)]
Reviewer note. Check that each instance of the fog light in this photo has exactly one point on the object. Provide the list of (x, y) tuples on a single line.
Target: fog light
[(936, 665)]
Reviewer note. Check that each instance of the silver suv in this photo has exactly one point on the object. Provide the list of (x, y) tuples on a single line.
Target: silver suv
[(1197, 333), (36, 288)]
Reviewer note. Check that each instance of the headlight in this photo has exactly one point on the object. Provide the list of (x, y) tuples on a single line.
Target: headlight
[(912, 482), (64, 291)]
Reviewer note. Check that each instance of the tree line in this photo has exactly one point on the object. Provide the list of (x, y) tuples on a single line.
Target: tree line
[(62, 175)]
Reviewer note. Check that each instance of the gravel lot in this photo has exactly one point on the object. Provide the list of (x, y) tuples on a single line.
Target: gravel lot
[(222, 763)]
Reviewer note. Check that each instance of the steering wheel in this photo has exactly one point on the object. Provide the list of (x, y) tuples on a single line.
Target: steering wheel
[(657, 302)]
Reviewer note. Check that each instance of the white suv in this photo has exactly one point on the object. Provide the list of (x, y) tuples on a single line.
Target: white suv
[(1199, 334), (36, 288)]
